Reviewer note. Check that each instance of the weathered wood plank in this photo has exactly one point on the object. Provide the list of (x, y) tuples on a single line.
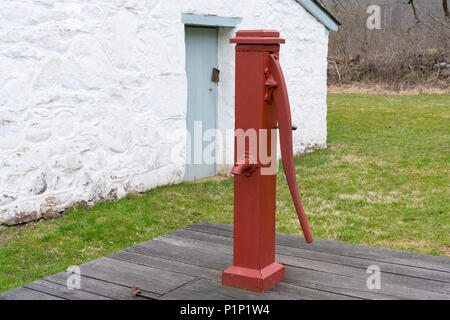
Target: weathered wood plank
[(62, 291), (99, 287), (169, 265), (340, 248), (360, 273), (212, 256), (215, 275), (357, 287), (386, 267), (150, 279), (395, 274), (342, 290), (370, 253), (306, 293), (205, 289), (23, 293), (177, 251), (188, 264), (213, 253), (209, 273)]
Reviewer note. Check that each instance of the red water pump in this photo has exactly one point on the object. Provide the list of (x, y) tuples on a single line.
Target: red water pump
[(261, 105)]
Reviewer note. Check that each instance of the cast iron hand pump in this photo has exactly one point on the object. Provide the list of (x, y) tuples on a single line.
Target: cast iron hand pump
[(261, 105)]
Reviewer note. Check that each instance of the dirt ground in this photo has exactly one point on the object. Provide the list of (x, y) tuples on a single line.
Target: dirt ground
[(380, 89)]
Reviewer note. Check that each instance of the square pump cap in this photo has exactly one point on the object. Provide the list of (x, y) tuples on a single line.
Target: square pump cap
[(257, 37)]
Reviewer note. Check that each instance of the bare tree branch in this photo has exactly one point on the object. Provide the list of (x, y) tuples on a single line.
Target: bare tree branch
[(445, 8), (438, 21), (411, 2)]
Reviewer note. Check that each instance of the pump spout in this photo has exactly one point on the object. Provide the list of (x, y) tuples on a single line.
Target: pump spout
[(244, 167), (283, 111)]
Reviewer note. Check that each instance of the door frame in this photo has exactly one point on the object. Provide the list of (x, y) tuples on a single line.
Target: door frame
[(196, 20), (208, 21)]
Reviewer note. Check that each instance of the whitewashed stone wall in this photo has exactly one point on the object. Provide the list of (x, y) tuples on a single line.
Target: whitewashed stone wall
[(93, 94)]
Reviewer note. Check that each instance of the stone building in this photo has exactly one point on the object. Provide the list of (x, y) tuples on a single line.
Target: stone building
[(94, 99)]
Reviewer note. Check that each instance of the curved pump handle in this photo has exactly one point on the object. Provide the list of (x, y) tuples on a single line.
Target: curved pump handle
[(283, 111)]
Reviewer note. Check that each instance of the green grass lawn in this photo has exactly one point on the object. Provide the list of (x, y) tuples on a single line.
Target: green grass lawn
[(383, 181)]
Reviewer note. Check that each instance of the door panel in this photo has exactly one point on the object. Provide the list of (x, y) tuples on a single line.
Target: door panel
[(201, 58)]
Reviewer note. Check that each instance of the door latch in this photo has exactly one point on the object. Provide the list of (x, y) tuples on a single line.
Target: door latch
[(215, 75)]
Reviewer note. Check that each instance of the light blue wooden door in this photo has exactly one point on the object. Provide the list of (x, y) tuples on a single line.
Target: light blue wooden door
[(201, 59)]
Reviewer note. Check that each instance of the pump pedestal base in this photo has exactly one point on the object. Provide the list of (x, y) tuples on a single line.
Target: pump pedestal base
[(253, 279)]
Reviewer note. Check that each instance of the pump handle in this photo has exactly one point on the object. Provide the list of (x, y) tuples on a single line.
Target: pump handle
[(283, 111)]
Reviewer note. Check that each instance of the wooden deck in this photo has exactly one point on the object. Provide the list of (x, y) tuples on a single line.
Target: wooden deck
[(188, 264)]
